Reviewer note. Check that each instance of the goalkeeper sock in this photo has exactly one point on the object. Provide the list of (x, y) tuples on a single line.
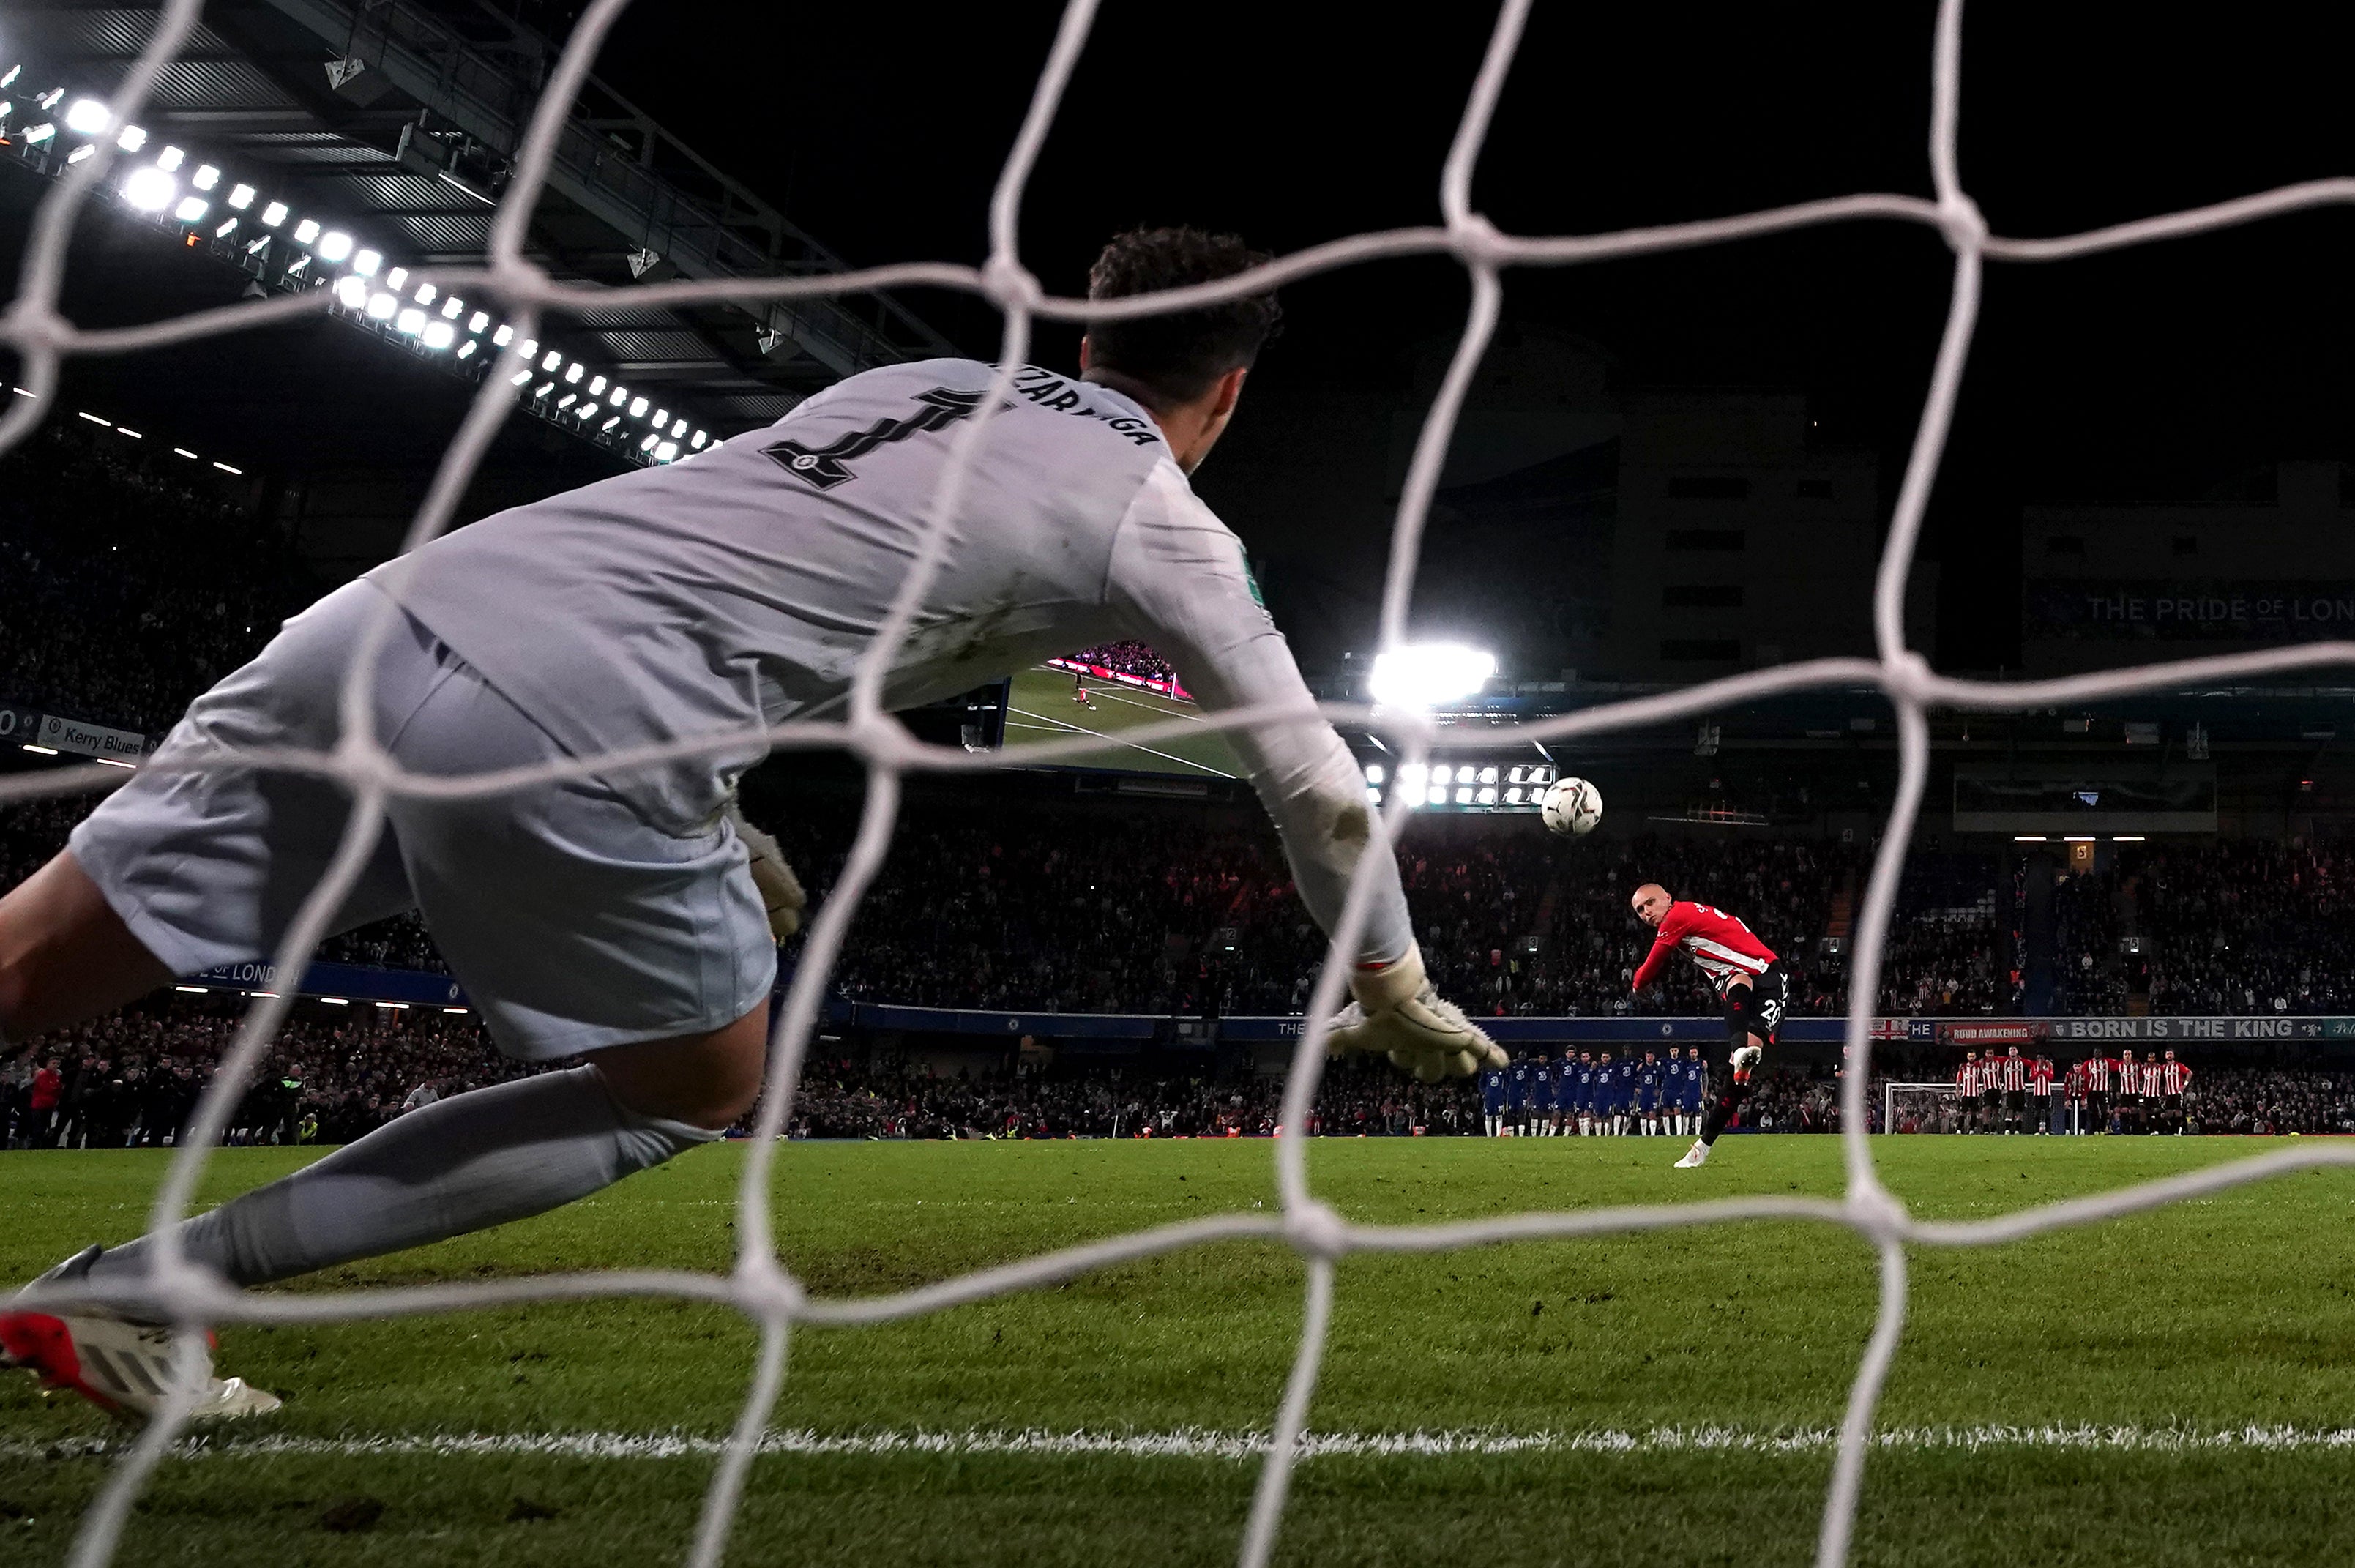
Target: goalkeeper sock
[(459, 1165)]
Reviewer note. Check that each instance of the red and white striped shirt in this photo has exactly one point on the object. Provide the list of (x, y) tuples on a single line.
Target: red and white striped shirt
[(2150, 1078), (2039, 1079), (2013, 1071), (1721, 944), (1967, 1076), (2174, 1077), (2097, 1074)]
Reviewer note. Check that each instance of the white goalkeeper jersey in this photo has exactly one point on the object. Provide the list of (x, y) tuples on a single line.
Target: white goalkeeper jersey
[(744, 584)]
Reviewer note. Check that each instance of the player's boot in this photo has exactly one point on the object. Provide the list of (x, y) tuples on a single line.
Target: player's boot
[(1695, 1156), (123, 1366), (1746, 1058)]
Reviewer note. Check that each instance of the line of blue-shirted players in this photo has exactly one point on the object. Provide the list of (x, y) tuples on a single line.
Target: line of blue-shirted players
[(1593, 1096)]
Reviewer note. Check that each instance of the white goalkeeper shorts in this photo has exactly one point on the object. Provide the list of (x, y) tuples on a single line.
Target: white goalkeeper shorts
[(572, 920)]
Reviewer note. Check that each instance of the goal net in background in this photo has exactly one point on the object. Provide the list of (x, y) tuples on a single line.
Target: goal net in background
[(759, 1286), (1921, 1108)]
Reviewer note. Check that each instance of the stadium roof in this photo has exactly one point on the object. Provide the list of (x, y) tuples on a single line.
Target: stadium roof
[(396, 121)]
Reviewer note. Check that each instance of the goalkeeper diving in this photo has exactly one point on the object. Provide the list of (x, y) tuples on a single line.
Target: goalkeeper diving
[(632, 916)]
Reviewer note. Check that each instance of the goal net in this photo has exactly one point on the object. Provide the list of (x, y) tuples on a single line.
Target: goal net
[(761, 1286), (1921, 1108)]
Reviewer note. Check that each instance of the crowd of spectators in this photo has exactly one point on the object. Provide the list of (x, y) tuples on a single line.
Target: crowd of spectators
[(129, 589), (1127, 658), (2244, 926)]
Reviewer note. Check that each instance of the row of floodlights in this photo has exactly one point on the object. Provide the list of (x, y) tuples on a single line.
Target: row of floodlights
[(1468, 784), (329, 1001), (125, 430), (367, 288), (2077, 838)]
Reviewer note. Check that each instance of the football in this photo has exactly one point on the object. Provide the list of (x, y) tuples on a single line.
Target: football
[(1571, 808)]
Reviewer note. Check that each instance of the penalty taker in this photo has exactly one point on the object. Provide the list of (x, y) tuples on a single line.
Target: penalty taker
[(633, 917), (1749, 978)]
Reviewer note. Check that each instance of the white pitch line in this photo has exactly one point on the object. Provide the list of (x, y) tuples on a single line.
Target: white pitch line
[(1196, 1443), (1083, 729)]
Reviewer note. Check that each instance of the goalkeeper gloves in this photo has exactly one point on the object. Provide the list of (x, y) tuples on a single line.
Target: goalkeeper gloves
[(781, 890), (1396, 1014)]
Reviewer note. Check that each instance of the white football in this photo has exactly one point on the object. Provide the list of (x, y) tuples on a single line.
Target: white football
[(1573, 806)]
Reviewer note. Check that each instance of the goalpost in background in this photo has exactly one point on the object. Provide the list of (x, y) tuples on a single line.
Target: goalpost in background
[(1905, 1106), (760, 1287)]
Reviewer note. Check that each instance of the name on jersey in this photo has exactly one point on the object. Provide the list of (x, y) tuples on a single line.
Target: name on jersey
[(1049, 390)]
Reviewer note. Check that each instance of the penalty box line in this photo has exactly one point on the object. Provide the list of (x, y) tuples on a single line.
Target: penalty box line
[(1192, 1442)]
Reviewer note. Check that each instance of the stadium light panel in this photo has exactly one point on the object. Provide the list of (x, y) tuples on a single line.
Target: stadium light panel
[(300, 265), (552, 361), (334, 245), (466, 349), (95, 420), (381, 306), (184, 452), (2028, 838), (452, 308), (543, 391), (224, 232), (351, 293), (618, 395), (667, 452), (52, 99), (40, 750), (2077, 839), (39, 133), (87, 117), (366, 262), (306, 231), (648, 445), (259, 246), (396, 277), (573, 372), (678, 430), (697, 443), (529, 351), (1435, 796), (503, 337), (170, 158), (1443, 774), (1462, 797), (241, 197), (1373, 772), (568, 400), (1425, 675), (1485, 797), (14, 71), (479, 320), (206, 177), (409, 323), (78, 154), (192, 990), (427, 293), (336, 1001), (520, 377), (2127, 839), (638, 408), (597, 387), (662, 418), (225, 468), (438, 335), (126, 430), (274, 214), (1512, 795), (133, 137), (610, 423)]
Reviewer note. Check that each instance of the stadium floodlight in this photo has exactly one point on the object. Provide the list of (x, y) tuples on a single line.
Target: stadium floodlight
[(40, 750), (126, 430), (227, 469), (170, 158), (78, 154), (638, 407), (667, 452), (610, 423), (225, 230), (14, 71), (299, 265), (520, 377), (1485, 797), (1424, 675), (552, 361), (2127, 839), (334, 245), (259, 246), (241, 197), (380, 306), (427, 293), (1462, 797), (351, 293), (479, 320), (503, 337), (396, 277), (1373, 772), (1487, 776), (409, 323), (366, 262), (87, 117), (466, 349), (529, 351), (1443, 774), (678, 430), (662, 418), (452, 308), (50, 99), (1513, 794), (697, 444), (568, 400), (206, 177), (573, 372), (618, 395), (133, 137), (191, 208), (184, 452), (306, 231), (543, 391), (39, 133), (274, 214), (438, 335), (648, 445), (2028, 838), (1435, 796), (95, 420)]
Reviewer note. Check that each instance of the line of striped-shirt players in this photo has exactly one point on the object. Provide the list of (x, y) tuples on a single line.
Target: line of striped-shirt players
[(1596, 1094), (2014, 1093)]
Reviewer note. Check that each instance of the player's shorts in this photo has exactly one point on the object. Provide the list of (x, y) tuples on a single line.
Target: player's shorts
[(1759, 1006), (2015, 1099), (573, 920)]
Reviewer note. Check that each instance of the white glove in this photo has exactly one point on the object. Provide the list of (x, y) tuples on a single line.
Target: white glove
[(781, 890), (1396, 1014)]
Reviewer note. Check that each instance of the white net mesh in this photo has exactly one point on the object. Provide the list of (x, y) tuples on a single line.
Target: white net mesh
[(759, 1286)]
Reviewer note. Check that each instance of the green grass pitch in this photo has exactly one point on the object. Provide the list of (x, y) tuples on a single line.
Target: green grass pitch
[(2201, 1320), (1041, 709)]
